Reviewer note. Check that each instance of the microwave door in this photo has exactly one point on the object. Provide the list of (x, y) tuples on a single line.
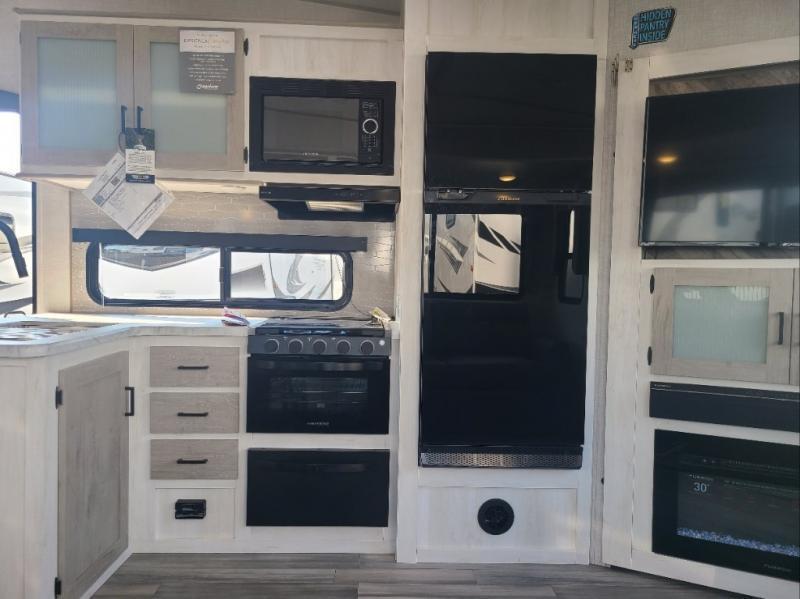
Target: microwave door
[(311, 129)]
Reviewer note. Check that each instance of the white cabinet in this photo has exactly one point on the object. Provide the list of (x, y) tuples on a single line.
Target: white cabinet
[(729, 324), (92, 470), (83, 83), (64, 478), (77, 85), (193, 130)]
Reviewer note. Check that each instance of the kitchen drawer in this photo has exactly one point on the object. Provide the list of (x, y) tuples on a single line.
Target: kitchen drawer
[(194, 366), (173, 459), (184, 413), (218, 523)]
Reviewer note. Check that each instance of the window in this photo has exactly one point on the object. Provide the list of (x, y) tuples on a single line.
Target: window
[(146, 272), (16, 216), (215, 274), (276, 275), (473, 254)]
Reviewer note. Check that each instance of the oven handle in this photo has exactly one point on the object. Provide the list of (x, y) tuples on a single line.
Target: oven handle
[(332, 468), (357, 365)]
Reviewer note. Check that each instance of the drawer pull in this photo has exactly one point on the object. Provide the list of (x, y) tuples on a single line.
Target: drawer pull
[(192, 414), (185, 461), (182, 367)]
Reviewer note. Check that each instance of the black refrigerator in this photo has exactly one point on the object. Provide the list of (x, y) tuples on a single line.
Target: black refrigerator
[(508, 166)]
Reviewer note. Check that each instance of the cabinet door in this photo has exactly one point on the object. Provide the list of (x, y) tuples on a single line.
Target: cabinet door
[(722, 324), (92, 470), (77, 80), (199, 131), (794, 376)]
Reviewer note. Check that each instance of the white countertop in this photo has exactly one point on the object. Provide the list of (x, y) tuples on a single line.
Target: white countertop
[(119, 326)]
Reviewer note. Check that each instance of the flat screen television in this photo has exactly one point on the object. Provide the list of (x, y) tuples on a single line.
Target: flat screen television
[(722, 168), (509, 121)]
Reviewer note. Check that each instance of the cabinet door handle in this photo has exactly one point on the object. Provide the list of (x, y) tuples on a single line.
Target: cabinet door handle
[(139, 111), (781, 323), (131, 401), (186, 461), (122, 112), (192, 414), (182, 367)]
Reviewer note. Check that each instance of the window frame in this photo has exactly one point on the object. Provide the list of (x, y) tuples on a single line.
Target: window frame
[(9, 102), (227, 244)]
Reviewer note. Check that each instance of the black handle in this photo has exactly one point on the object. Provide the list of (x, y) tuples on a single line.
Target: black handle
[(182, 367), (192, 414), (122, 112), (139, 111), (131, 401), (185, 461), (781, 322)]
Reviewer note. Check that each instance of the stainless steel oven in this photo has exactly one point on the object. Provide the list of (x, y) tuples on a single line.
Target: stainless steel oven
[(728, 502), (318, 379)]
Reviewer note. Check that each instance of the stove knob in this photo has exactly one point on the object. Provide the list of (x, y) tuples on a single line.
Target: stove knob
[(343, 347), (295, 346), (367, 347), (271, 346), (319, 346)]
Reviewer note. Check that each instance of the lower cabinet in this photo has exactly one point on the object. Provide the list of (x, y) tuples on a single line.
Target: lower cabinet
[(92, 470)]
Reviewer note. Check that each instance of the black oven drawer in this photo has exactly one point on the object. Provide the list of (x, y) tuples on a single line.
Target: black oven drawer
[(317, 488), (307, 394)]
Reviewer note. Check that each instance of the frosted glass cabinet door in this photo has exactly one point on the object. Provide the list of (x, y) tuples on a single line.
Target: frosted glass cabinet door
[(723, 324), (76, 77), (197, 131)]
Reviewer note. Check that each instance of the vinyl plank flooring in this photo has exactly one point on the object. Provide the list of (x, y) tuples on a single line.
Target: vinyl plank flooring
[(127, 590), (427, 575), (217, 590), (350, 576), (666, 591), (449, 591)]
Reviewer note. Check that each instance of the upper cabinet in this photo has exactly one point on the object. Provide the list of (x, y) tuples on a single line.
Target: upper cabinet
[(77, 82), (81, 83), (193, 130), (724, 324)]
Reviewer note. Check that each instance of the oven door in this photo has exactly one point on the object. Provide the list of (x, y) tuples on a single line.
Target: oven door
[(727, 502), (306, 394)]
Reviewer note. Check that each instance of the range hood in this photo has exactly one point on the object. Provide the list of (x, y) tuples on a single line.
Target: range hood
[(360, 203)]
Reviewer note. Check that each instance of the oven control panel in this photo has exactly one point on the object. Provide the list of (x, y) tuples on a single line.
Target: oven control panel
[(320, 345)]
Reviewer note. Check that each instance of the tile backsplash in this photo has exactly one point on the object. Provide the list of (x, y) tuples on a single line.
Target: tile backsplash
[(373, 270)]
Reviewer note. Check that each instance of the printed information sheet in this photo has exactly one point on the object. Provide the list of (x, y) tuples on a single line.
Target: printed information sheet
[(133, 206)]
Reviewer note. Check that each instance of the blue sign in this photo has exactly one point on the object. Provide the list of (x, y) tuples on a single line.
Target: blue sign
[(651, 26)]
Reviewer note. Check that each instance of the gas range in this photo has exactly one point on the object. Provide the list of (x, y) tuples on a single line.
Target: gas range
[(321, 338)]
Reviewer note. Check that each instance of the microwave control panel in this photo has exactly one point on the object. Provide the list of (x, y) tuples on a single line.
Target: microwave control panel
[(369, 134)]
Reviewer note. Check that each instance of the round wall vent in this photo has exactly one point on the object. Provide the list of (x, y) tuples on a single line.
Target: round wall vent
[(495, 516)]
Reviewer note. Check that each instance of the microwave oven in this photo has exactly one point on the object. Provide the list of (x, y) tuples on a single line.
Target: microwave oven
[(322, 126)]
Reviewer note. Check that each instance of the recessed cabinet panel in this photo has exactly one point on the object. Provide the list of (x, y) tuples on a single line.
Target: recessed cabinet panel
[(725, 324), (77, 83), (198, 131)]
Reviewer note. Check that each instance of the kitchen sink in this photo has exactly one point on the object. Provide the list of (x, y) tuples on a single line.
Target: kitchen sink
[(35, 330)]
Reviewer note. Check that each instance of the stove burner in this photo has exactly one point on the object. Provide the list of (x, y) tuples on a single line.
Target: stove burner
[(321, 338)]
